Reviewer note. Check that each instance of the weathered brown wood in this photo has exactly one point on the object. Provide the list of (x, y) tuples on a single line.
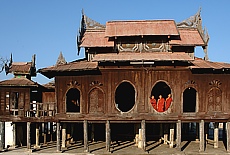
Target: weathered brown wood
[(28, 136), (2, 135), (86, 146), (202, 140), (64, 126), (37, 135), (178, 135), (58, 137), (143, 129), (108, 136), (228, 135)]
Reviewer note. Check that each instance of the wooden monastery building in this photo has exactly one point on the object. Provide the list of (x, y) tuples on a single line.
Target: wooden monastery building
[(140, 80)]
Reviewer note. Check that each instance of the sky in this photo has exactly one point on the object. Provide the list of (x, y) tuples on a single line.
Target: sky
[(48, 27)]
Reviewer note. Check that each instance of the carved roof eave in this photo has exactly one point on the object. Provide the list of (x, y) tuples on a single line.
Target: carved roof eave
[(195, 21)]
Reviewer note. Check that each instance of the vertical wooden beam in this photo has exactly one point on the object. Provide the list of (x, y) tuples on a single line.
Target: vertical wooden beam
[(216, 137), (171, 138), (58, 137), (63, 136), (51, 131), (202, 140), (86, 147), (228, 136), (37, 135), (2, 135), (143, 135), (28, 136), (68, 125), (178, 135), (14, 135), (45, 133), (107, 135)]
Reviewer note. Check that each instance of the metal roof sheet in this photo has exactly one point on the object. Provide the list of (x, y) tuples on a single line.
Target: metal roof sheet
[(18, 82), (140, 28), (150, 56), (20, 67), (188, 37), (72, 66), (96, 39), (204, 64)]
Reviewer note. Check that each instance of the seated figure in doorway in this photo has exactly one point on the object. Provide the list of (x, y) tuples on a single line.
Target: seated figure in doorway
[(160, 104), (168, 101), (153, 102)]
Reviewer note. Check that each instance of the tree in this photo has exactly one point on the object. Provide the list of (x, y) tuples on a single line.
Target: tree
[(3, 63)]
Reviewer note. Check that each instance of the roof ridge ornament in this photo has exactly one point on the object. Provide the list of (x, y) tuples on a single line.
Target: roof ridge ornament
[(60, 60), (194, 21)]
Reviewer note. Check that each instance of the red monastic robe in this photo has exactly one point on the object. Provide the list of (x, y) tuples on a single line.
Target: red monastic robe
[(160, 105), (154, 103), (168, 103)]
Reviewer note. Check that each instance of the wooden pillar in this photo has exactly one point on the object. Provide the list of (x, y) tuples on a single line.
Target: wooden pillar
[(51, 131), (178, 135), (28, 136), (37, 135), (2, 135), (45, 133), (86, 147), (72, 133), (165, 138), (216, 137), (63, 136), (14, 135), (58, 137), (171, 138), (202, 140), (228, 136), (143, 135), (107, 135)]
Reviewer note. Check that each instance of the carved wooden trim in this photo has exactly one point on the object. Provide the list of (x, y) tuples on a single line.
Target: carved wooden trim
[(73, 84), (215, 83), (95, 83)]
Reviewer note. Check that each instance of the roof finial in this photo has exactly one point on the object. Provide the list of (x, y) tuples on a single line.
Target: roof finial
[(60, 60)]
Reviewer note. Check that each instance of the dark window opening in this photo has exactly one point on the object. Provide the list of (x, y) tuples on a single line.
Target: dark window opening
[(125, 96), (189, 100), (163, 90), (73, 100), (14, 103)]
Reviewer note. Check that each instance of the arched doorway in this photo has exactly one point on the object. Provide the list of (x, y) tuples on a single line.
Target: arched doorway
[(163, 90), (125, 96), (189, 100), (73, 100)]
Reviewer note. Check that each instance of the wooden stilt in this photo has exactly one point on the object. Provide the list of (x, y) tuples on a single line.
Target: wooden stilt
[(216, 135), (64, 136), (86, 147), (143, 135), (51, 131), (37, 135), (178, 135), (2, 135), (171, 138), (108, 136), (28, 136), (228, 135), (58, 137), (14, 135), (202, 140)]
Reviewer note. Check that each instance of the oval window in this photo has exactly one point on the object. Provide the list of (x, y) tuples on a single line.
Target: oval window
[(125, 96)]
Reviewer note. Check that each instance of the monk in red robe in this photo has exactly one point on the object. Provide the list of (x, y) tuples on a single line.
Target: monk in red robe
[(160, 104), (153, 102), (168, 101)]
